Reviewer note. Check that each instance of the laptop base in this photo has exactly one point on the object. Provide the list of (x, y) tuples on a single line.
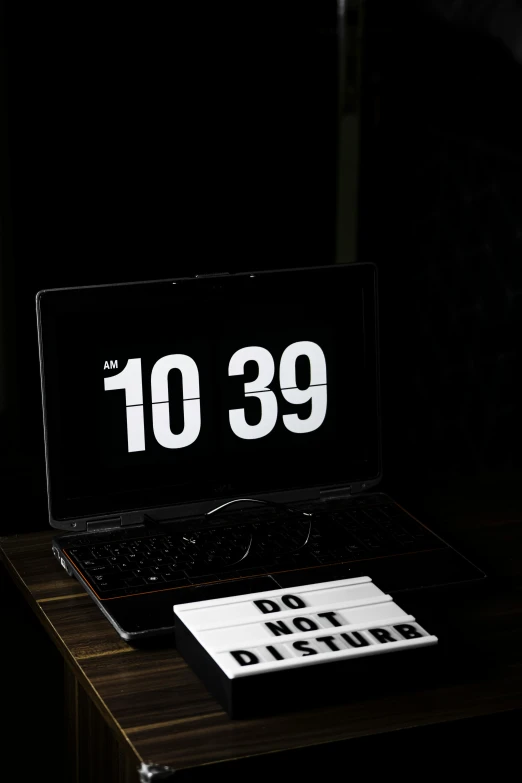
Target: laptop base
[(425, 562)]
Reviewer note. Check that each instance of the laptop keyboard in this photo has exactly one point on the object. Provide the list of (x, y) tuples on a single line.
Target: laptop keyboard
[(247, 543)]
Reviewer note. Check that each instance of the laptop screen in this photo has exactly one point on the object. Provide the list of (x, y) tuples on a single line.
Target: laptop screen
[(174, 392)]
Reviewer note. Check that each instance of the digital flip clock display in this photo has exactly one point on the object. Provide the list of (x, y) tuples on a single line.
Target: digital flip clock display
[(184, 394), (307, 625), (130, 379)]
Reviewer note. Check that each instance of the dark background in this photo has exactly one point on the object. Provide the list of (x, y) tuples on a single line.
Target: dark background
[(441, 215), (142, 147)]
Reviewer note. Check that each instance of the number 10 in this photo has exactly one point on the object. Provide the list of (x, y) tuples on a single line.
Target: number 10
[(130, 379)]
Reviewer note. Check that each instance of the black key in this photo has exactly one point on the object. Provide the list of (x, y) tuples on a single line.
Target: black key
[(371, 541), (158, 569), (114, 560), (87, 563), (351, 541), (100, 569), (154, 579), (177, 583), (144, 572), (174, 576), (79, 541), (303, 559), (106, 587), (101, 551), (81, 553), (358, 516), (135, 581), (376, 514), (317, 550), (108, 581), (354, 550), (124, 565), (337, 553), (391, 510), (153, 547), (402, 537), (161, 560), (216, 560), (107, 575)]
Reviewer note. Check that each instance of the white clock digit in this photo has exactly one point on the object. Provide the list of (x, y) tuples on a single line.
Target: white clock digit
[(257, 388), (316, 392), (130, 379), (160, 401)]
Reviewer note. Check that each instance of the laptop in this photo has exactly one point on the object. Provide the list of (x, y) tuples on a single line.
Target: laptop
[(219, 435)]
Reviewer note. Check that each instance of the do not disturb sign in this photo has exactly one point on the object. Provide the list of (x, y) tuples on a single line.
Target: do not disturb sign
[(281, 630)]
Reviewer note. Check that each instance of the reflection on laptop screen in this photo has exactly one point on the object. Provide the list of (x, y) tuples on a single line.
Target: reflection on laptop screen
[(175, 392)]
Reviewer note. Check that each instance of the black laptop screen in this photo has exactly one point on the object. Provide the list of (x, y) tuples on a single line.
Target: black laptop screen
[(175, 392)]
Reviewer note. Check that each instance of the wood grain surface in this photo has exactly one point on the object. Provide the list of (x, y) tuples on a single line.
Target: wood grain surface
[(162, 714)]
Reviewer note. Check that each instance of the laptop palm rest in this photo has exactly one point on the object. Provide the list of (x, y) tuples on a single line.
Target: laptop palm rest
[(135, 615)]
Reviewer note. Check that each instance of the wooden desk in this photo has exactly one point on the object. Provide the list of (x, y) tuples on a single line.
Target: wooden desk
[(131, 706)]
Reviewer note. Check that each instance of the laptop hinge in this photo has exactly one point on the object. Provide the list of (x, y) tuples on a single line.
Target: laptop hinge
[(109, 523), (124, 520), (342, 492)]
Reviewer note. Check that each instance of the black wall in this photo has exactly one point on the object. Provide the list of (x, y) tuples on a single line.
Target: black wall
[(150, 144), (145, 146), (441, 210)]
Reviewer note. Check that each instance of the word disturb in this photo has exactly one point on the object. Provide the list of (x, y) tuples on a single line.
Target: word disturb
[(278, 629)]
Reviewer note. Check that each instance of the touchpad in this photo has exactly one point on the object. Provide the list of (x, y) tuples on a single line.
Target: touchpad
[(255, 584)]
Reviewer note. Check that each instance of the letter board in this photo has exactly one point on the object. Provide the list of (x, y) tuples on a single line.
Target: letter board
[(285, 630)]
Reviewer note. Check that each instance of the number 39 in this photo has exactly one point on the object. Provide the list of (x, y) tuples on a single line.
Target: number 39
[(130, 379), (316, 392)]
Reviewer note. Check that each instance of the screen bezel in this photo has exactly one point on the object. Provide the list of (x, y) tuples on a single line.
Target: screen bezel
[(50, 303)]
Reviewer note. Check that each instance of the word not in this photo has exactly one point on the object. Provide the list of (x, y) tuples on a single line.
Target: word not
[(331, 643), (131, 381), (279, 627), (268, 606)]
